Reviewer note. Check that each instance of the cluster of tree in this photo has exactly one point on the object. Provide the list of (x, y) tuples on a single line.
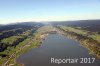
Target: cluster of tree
[(24, 25), (90, 25), (16, 30), (3, 46), (7, 34), (78, 36)]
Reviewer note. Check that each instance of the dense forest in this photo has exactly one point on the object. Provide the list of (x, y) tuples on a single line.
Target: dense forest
[(91, 25), (12, 34)]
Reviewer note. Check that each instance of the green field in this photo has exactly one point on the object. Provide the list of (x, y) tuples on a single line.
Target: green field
[(93, 35)]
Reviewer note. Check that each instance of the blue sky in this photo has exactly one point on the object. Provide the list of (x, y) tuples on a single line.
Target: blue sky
[(48, 10)]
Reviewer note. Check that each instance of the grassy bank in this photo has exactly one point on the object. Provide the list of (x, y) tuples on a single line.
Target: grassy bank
[(30, 42), (14, 52)]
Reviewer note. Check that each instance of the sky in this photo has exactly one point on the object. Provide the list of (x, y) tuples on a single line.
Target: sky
[(48, 10)]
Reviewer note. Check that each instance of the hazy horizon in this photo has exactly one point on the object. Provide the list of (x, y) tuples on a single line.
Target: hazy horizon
[(48, 10)]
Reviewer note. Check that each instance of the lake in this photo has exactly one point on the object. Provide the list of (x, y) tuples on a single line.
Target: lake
[(59, 47)]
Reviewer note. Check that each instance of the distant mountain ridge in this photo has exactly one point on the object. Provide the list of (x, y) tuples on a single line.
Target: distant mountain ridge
[(19, 25), (92, 25), (78, 23)]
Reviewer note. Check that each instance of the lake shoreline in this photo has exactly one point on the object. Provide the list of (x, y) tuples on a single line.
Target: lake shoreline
[(85, 42), (38, 54), (42, 37)]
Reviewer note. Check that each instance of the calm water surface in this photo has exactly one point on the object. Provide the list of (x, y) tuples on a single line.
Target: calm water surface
[(56, 46)]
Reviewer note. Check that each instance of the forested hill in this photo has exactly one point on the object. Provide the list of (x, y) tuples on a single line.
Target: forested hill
[(91, 25), (12, 34), (19, 25)]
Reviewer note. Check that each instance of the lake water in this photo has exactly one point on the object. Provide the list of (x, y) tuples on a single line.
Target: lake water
[(58, 47)]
